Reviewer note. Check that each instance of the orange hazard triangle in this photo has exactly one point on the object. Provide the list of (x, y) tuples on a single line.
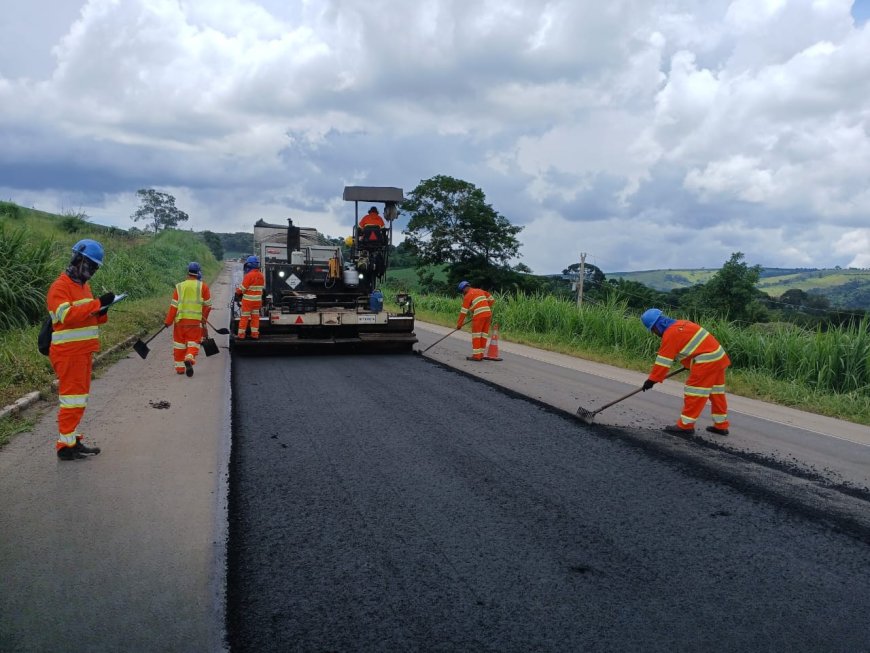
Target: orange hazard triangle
[(373, 236), (299, 320)]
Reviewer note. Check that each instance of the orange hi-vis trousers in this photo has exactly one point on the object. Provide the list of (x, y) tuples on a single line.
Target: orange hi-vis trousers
[(74, 386), (479, 334), (185, 344), (250, 311), (706, 382)]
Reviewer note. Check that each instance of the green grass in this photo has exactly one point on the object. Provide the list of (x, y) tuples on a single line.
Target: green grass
[(145, 267), (823, 372)]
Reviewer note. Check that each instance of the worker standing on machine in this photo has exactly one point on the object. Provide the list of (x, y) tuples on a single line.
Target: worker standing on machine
[(250, 294), (188, 311), (75, 316), (479, 303), (698, 351)]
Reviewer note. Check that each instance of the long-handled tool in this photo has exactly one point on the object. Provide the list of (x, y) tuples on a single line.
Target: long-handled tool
[(420, 352), (223, 330), (589, 415), (141, 348)]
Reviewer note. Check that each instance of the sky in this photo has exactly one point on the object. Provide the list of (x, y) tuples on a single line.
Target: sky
[(647, 134)]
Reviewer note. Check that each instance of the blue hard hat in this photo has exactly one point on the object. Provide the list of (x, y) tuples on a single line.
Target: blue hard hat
[(252, 262), (194, 268), (90, 249), (463, 285), (649, 317)]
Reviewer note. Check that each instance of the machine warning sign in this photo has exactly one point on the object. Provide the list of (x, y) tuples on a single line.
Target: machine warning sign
[(293, 281)]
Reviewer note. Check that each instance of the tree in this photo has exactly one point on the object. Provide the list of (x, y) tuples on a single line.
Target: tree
[(158, 209), (452, 224), (214, 244), (731, 291)]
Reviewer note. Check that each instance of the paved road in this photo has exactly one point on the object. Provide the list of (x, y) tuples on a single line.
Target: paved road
[(388, 503), (834, 451)]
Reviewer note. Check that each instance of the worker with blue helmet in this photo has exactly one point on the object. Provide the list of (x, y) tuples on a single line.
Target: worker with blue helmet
[(477, 304), (74, 338), (188, 315), (696, 349)]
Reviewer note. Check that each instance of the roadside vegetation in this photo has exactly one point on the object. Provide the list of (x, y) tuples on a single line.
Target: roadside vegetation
[(793, 349), (37, 247)]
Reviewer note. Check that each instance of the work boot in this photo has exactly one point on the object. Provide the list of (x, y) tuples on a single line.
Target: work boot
[(188, 368), (81, 447), (717, 431), (473, 358), (69, 453), (676, 430)]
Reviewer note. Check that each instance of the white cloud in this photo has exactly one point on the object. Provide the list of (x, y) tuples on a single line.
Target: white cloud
[(630, 128)]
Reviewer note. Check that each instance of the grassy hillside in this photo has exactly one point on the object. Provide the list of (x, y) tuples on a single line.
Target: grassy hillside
[(843, 288), (37, 247)]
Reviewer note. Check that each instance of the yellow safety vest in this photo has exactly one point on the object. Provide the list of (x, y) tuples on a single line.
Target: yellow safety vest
[(189, 300)]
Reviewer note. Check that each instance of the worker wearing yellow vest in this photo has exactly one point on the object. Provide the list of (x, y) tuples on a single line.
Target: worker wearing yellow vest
[(478, 303), (697, 350), (250, 294), (75, 316), (188, 311)]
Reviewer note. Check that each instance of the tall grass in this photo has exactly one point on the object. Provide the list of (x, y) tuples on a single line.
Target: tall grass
[(835, 362), (25, 275)]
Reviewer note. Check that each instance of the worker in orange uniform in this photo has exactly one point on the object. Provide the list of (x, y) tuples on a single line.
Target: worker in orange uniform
[(75, 316), (372, 219), (188, 311), (250, 294), (698, 351), (479, 304)]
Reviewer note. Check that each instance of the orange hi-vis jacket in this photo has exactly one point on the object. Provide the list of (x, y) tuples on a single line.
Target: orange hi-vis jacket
[(478, 303), (371, 220), (191, 303), (74, 317), (251, 287), (689, 344)]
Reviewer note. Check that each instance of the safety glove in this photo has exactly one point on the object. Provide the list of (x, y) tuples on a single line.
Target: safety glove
[(648, 384), (107, 298)]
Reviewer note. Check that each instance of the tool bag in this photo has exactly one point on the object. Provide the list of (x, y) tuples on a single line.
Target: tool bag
[(43, 341)]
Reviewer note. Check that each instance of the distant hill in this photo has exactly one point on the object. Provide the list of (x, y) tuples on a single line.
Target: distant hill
[(848, 288)]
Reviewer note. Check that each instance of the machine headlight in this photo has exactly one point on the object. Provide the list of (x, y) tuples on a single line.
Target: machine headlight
[(360, 275), (281, 273)]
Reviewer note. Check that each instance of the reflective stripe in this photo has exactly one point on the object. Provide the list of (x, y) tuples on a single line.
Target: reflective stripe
[(688, 420), (717, 390), (695, 391), (178, 345), (68, 439), (711, 357), (73, 401), (666, 362), (693, 344), (718, 419), (189, 300), (60, 313), (253, 293), (75, 335)]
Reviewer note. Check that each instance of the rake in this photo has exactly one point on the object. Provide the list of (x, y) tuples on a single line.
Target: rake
[(589, 415)]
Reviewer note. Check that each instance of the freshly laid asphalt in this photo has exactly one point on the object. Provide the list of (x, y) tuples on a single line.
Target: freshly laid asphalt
[(383, 503)]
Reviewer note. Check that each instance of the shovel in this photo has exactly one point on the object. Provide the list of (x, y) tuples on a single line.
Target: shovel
[(209, 346), (141, 348), (589, 415)]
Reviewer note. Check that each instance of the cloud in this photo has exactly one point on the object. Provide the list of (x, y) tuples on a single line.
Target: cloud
[(648, 133)]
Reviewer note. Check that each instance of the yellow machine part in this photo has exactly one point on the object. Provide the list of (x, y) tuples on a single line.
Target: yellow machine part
[(334, 268)]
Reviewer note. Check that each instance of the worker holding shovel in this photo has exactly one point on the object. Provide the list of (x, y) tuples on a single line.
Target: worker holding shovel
[(478, 303), (188, 311), (75, 318), (698, 351)]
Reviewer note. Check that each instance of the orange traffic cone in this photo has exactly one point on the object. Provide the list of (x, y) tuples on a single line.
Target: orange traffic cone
[(492, 350)]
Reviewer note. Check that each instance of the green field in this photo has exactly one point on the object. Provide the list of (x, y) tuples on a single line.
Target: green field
[(843, 288)]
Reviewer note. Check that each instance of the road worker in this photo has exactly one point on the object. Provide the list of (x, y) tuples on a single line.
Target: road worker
[(479, 304), (698, 351), (250, 294), (372, 219), (75, 316), (188, 311)]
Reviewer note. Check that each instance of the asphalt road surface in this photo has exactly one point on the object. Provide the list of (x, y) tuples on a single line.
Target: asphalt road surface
[(386, 503)]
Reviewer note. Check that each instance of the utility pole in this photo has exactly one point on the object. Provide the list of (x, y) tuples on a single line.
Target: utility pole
[(580, 279)]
